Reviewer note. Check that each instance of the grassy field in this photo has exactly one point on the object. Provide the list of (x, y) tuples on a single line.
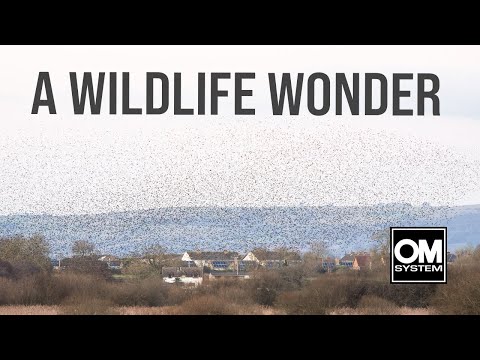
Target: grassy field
[(29, 310), (127, 310), (176, 310)]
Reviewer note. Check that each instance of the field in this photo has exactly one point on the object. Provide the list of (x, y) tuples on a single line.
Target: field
[(274, 292), (175, 310)]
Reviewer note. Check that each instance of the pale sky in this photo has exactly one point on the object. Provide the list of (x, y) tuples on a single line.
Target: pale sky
[(67, 163)]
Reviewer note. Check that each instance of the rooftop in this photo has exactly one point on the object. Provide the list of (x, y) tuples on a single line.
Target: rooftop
[(265, 255), (212, 255), (363, 260)]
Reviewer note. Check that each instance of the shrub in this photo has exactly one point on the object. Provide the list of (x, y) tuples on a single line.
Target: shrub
[(177, 295), (461, 295), (6, 269), (31, 251), (38, 289), (411, 295), (146, 292), (325, 293), (22, 269), (265, 286), (265, 296), (230, 290)]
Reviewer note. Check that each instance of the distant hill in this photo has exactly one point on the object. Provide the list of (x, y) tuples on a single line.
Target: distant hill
[(241, 229)]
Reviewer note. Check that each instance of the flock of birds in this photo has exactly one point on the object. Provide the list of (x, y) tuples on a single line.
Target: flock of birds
[(232, 185)]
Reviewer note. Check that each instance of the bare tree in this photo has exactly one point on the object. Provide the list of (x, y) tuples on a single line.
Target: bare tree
[(83, 248), (313, 259), (382, 241), (157, 257), (319, 249), (32, 251), (381, 250)]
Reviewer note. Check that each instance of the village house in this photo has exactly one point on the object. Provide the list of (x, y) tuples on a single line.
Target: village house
[(357, 261), (184, 275), (214, 260), (55, 264), (347, 260), (362, 262), (113, 262), (272, 259), (329, 263)]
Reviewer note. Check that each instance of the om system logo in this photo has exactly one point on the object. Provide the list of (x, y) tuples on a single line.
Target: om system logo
[(418, 255)]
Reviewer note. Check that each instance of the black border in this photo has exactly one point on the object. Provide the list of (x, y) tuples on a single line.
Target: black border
[(424, 228), (347, 24), (170, 23), (299, 332)]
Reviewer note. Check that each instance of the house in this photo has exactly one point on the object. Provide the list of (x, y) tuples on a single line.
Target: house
[(272, 259), (362, 262), (55, 264), (184, 275), (328, 263), (356, 261), (113, 262), (86, 264), (214, 260), (347, 260)]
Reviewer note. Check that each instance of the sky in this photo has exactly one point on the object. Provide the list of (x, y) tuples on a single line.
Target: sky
[(71, 164)]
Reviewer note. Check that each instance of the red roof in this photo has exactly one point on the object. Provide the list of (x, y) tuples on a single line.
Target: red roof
[(363, 260)]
